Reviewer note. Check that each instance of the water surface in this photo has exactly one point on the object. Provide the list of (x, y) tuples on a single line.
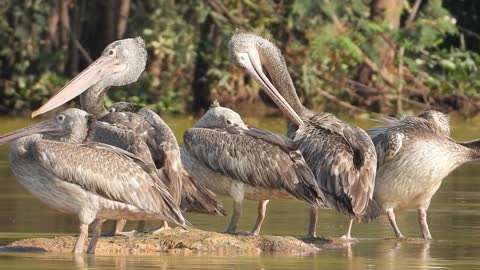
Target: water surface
[(454, 219)]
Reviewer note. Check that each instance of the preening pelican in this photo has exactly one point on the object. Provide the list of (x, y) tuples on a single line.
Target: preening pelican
[(341, 156)]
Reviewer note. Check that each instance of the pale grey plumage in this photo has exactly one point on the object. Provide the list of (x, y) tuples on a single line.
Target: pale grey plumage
[(93, 181), (414, 155), (342, 157), (241, 161)]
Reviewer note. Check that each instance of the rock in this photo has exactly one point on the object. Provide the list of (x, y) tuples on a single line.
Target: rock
[(176, 241)]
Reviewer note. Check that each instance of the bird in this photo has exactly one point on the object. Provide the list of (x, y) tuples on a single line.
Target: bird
[(121, 63), (59, 164), (155, 142), (414, 155), (342, 157), (244, 162)]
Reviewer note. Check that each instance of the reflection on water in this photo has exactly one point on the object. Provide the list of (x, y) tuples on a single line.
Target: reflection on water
[(454, 219)]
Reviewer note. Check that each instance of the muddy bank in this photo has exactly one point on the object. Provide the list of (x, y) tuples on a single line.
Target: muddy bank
[(174, 241)]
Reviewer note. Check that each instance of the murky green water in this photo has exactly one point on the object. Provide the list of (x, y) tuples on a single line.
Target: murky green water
[(454, 221)]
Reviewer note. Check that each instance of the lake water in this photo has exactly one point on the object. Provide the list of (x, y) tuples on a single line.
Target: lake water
[(454, 219)]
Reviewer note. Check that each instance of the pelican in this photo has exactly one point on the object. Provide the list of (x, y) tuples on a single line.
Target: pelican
[(121, 63), (54, 161), (414, 155), (342, 157), (156, 143), (244, 162)]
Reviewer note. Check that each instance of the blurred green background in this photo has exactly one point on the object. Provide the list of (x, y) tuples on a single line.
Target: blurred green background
[(354, 56)]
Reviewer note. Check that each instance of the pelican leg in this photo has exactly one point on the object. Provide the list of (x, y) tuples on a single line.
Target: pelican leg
[(391, 218), (82, 236), (422, 219), (163, 228), (348, 235), (118, 231), (262, 208), (97, 230), (237, 212), (312, 227), (141, 226)]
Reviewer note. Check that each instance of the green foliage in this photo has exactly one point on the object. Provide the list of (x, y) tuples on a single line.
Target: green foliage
[(325, 43), (449, 70), (25, 60)]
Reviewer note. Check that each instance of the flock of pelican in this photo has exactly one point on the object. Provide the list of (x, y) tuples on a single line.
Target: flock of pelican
[(124, 162)]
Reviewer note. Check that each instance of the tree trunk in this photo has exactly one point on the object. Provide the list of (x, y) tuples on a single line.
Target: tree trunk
[(124, 9), (110, 21), (201, 82)]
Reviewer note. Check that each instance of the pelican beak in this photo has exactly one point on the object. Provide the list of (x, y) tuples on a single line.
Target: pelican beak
[(253, 65), (47, 126), (97, 71)]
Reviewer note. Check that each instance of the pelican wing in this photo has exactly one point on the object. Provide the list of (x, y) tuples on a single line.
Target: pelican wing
[(109, 172), (254, 157), (387, 145), (126, 131), (191, 195), (343, 160)]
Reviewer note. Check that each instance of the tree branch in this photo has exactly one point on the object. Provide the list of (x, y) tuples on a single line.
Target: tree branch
[(79, 46), (219, 7), (122, 18)]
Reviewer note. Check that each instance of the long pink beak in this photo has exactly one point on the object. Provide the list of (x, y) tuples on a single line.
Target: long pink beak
[(93, 74), (50, 125), (254, 68)]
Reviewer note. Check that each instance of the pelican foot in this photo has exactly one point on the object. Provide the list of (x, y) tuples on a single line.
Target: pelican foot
[(244, 233), (343, 240), (233, 232), (347, 238), (129, 234), (164, 229)]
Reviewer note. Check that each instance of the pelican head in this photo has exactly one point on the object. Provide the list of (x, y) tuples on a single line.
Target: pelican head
[(220, 117), (438, 119), (72, 125), (122, 62), (244, 51)]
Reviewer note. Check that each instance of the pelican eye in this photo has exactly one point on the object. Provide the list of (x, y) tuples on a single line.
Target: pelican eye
[(229, 122), (61, 117), (111, 52)]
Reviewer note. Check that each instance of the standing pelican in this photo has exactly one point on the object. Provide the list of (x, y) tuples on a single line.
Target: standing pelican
[(342, 157), (93, 181), (121, 63), (245, 162), (414, 155)]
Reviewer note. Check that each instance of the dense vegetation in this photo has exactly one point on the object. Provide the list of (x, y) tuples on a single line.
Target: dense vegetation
[(375, 55)]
